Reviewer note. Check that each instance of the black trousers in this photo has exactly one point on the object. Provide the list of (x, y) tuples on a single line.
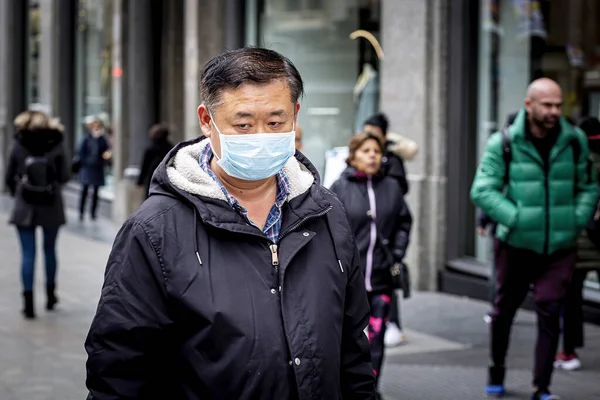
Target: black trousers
[(83, 200), (380, 307), (573, 336), (516, 270)]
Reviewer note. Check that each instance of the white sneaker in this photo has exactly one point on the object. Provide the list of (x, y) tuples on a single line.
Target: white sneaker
[(393, 335), (568, 362)]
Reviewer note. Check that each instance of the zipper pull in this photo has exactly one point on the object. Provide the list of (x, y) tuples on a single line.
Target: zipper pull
[(274, 255)]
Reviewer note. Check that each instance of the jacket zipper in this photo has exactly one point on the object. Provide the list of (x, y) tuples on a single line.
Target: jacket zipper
[(547, 208), (275, 263), (372, 235)]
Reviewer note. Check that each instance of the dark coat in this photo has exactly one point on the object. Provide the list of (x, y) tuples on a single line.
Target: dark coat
[(38, 143), (92, 164), (194, 306), (393, 166), (393, 221), (153, 155)]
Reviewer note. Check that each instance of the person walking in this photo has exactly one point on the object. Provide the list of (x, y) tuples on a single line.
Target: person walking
[(157, 150), (36, 170), (398, 149), (238, 278), (541, 200), (381, 223), (588, 260), (92, 158)]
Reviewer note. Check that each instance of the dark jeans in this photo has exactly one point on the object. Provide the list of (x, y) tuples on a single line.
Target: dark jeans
[(516, 270), (380, 305), (573, 337), (83, 200), (28, 249), (394, 313)]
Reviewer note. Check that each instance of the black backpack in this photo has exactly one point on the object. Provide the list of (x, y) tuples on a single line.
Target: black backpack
[(38, 181)]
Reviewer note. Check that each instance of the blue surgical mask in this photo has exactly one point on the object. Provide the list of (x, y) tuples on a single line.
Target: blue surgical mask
[(255, 156)]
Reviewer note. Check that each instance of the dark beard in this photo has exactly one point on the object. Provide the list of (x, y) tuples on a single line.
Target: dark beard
[(544, 124)]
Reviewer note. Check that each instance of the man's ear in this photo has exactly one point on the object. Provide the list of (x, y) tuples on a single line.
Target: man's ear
[(205, 120), (297, 110)]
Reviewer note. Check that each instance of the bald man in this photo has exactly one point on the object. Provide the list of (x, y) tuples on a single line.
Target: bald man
[(534, 180)]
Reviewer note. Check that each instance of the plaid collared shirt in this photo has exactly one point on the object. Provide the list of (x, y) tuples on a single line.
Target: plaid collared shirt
[(273, 224)]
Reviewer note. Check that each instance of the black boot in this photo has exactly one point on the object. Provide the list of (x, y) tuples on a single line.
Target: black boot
[(51, 297), (28, 304)]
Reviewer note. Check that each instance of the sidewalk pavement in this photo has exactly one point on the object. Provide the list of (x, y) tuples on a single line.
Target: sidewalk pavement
[(445, 358)]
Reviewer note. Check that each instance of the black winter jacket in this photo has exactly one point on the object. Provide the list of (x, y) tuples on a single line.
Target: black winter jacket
[(153, 155), (198, 304), (37, 143), (393, 222), (393, 166)]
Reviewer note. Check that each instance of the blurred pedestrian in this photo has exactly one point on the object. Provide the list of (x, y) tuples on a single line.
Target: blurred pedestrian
[(37, 168), (238, 277), (92, 158), (398, 149), (541, 199), (588, 260), (155, 152), (381, 223)]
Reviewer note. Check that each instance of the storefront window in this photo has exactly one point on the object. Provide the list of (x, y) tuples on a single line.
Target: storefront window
[(521, 40), (340, 74), (94, 51)]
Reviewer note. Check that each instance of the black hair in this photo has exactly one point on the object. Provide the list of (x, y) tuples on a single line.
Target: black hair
[(379, 120), (159, 132), (249, 64), (591, 127)]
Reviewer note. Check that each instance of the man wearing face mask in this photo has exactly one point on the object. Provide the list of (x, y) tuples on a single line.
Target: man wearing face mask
[(238, 278)]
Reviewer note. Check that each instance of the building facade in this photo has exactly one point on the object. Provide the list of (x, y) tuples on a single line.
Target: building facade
[(447, 74)]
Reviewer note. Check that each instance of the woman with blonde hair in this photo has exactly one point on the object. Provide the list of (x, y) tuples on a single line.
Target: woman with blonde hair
[(36, 170)]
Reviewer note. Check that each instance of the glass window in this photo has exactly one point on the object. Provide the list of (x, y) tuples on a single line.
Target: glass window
[(94, 57), (521, 40), (340, 74)]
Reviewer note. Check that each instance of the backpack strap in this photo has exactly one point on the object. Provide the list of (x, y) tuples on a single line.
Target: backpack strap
[(506, 153)]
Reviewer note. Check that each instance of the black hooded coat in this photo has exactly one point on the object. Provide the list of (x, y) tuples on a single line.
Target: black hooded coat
[(199, 304)]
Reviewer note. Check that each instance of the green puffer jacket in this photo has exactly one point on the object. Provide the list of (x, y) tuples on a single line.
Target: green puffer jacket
[(543, 208)]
